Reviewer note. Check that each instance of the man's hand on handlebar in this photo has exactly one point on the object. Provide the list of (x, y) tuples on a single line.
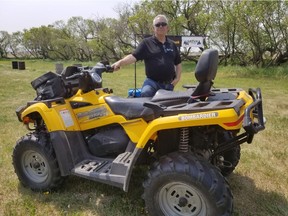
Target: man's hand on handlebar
[(116, 66)]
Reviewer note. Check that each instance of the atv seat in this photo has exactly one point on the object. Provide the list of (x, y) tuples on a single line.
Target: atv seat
[(130, 108), (170, 98)]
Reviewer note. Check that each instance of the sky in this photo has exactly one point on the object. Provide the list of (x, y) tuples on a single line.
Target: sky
[(17, 15)]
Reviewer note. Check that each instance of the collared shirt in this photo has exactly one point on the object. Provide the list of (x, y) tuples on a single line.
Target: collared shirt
[(159, 58)]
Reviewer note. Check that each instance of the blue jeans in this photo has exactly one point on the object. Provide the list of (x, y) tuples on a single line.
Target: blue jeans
[(150, 87)]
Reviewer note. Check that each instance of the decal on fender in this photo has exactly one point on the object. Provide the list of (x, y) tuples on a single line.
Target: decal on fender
[(198, 116), (94, 113), (66, 117)]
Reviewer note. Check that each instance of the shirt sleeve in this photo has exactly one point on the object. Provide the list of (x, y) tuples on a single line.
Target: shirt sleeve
[(177, 56), (140, 51)]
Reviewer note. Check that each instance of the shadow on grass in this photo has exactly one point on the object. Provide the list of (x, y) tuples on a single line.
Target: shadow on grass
[(79, 196), (252, 201)]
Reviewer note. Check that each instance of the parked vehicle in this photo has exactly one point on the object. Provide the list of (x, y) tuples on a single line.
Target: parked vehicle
[(190, 139)]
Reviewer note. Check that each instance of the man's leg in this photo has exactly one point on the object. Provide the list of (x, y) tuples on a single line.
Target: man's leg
[(149, 88)]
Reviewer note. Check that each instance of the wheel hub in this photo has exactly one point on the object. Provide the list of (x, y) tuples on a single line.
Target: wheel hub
[(183, 202), (181, 199), (35, 166)]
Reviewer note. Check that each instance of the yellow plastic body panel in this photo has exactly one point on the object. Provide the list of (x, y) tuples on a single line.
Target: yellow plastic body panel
[(134, 128), (188, 120), (63, 117), (58, 117)]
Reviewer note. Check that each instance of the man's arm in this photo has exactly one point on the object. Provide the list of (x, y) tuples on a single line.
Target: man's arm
[(129, 59), (178, 69)]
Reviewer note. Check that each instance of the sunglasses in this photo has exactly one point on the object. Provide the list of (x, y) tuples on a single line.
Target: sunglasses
[(160, 24)]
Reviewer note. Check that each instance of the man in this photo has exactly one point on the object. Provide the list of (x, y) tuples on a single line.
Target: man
[(161, 57)]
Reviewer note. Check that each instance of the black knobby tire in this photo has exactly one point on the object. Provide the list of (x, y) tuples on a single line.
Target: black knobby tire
[(231, 160), (35, 163), (184, 184), (231, 157)]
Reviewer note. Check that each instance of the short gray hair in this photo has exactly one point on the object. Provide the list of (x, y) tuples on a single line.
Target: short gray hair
[(158, 16)]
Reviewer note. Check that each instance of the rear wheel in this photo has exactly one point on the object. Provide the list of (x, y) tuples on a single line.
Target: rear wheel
[(183, 184), (35, 163)]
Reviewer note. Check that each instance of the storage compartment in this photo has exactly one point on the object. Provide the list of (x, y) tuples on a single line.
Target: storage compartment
[(107, 141), (49, 86)]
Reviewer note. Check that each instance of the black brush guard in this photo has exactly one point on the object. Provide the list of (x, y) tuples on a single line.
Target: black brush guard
[(251, 126)]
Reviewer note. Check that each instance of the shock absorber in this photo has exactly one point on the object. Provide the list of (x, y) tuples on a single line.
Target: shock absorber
[(184, 140)]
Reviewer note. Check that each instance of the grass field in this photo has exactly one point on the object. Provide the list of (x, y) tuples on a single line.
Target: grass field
[(259, 183)]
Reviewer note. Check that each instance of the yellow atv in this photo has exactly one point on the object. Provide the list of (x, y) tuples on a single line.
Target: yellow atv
[(190, 139)]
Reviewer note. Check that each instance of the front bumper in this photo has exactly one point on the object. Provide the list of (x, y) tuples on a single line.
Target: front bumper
[(253, 126)]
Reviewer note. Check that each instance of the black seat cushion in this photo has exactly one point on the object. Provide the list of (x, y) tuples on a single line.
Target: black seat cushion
[(130, 108), (170, 98)]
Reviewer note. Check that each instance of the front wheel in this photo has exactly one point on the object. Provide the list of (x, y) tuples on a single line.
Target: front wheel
[(35, 163), (231, 157), (183, 184)]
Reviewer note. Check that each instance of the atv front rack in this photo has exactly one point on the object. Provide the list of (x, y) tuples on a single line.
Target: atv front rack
[(251, 126), (258, 122)]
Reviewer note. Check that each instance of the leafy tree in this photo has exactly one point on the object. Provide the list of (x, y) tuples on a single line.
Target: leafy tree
[(4, 44), (64, 43), (16, 45), (81, 32), (38, 41), (225, 34), (275, 26), (104, 42), (245, 32)]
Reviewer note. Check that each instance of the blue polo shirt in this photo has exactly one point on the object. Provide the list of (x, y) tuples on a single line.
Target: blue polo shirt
[(160, 59)]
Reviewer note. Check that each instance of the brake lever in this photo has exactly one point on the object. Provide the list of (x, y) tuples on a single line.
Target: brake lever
[(77, 75)]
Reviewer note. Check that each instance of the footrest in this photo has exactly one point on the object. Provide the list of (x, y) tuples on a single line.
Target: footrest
[(121, 163), (89, 166), (105, 171)]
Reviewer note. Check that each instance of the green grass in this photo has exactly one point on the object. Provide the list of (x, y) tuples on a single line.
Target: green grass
[(259, 184)]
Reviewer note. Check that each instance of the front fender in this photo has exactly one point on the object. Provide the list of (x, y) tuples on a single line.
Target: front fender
[(56, 118), (215, 117)]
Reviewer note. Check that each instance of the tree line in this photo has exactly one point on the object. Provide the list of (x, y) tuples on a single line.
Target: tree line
[(245, 32)]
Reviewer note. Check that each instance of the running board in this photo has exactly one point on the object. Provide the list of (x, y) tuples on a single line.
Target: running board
[(106, 171)]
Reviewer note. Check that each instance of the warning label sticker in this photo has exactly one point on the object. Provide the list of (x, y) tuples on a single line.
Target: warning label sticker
[(67, 118)]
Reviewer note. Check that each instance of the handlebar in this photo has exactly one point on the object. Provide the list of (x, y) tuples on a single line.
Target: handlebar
[(109, 69), (78, 75), (99, 68)]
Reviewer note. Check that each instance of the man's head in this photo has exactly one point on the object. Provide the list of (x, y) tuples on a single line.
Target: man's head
[(160, 25)]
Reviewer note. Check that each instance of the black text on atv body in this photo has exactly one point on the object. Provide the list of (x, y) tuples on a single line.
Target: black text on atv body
[(190, 139)]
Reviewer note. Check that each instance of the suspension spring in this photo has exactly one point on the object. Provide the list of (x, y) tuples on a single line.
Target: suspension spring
[(184, 140)]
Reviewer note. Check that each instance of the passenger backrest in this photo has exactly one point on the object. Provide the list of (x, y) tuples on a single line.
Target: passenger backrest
[(205, 72)]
